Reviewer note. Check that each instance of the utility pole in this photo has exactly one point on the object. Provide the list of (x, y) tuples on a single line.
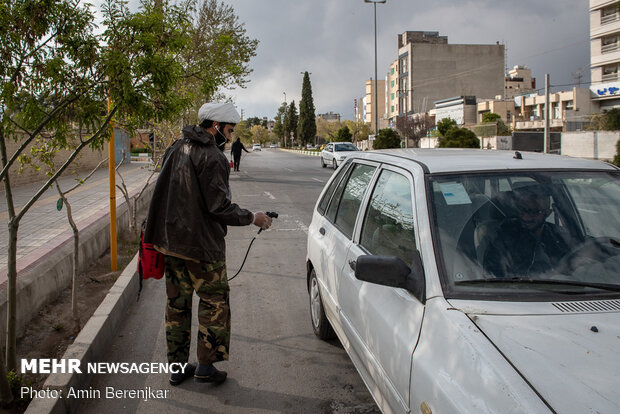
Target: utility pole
[(546, 115), (375, 98)]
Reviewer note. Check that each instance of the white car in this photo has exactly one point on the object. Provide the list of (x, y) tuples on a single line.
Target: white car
[(335, 153), (256, 147), (469, 281)]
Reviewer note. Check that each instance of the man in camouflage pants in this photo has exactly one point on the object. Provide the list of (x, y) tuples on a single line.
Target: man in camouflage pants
[(187, 222)]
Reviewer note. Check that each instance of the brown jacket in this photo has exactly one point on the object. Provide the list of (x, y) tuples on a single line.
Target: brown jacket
[(191, 208)]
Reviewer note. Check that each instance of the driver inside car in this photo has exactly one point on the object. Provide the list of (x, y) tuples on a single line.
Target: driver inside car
[(527, 245)]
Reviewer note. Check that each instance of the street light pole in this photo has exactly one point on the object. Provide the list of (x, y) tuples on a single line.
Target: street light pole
[(376, 94)]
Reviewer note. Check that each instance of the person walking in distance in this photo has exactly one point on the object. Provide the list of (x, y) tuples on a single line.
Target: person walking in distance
[(235, 151), (187, 222)]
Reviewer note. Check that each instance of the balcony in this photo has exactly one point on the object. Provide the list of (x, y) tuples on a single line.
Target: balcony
[(610, 48), (610, 77), (610, 18)]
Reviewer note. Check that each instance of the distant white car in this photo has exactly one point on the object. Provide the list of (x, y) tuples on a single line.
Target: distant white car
[(335, 153), (470, 281), (272, 145), (256, 147)]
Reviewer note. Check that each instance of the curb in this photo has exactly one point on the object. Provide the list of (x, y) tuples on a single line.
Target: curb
[(91, 343)]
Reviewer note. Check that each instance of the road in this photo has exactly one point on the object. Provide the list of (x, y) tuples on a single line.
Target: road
[(276, 364)]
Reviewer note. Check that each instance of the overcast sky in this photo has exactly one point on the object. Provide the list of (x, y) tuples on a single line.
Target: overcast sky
[(334, 41)]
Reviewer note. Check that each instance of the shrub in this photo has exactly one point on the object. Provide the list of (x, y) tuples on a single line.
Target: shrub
[(459, 138), (386, 138)]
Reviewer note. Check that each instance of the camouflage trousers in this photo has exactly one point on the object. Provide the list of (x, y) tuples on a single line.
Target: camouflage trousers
[(209, 281)]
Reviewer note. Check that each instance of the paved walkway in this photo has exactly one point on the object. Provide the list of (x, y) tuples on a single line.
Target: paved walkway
[(44, 228)]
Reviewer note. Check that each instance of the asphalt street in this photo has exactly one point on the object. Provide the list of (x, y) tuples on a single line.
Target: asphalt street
[(277, 365)]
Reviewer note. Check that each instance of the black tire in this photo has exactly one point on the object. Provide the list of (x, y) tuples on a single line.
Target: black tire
[(323, 163), (334, 164), (321, 326)]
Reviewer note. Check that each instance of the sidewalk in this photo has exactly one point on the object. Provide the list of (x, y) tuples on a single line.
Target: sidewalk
[(45, 238), (43, 228)]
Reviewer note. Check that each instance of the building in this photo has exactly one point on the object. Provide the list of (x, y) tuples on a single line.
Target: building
[(565, 107), (568, 109), (461, 109), (605, 53), (391, 94), (504, 108), (329, 117), (430, 69), (368, 106), (519, 82)]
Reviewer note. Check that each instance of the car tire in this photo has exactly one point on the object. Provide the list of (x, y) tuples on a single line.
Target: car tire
[(321, 326), (323, 163), (334, 164)]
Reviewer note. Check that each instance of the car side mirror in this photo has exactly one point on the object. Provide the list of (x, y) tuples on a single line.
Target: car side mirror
[(391, 271)]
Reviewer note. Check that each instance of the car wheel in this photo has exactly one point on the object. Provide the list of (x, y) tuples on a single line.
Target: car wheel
[(323, 163), (320, 324), (334, 164)]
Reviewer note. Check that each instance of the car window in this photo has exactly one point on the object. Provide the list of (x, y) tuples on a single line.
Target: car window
[(344, 212), (332, 187), (388, 224), (329, 147), (345, 147)]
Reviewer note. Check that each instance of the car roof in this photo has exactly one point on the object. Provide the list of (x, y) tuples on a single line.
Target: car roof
[(454, 160)]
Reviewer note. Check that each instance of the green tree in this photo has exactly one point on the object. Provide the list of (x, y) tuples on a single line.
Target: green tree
[(219, 55), (617, 157), (359, 130), (386, 138), (490, 117), (307, 118), (278, 123), (445, 125), (326, 131), (459, 138), (612, 120), (291, 120), (56, 74), (344, 134), (260, 134)]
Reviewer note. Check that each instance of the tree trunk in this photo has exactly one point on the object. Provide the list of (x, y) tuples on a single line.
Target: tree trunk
[(11, 309), (6, 395)]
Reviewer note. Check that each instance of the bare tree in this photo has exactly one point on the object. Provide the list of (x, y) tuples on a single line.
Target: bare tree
[(414, 127)]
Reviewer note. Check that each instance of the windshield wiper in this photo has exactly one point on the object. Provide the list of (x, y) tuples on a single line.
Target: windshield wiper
[(603, 286)]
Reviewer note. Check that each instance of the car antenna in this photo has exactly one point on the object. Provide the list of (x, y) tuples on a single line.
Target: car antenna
[(518, 156)]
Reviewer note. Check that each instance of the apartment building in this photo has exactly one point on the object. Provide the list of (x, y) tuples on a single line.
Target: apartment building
[(368, 107), (519, 81), (391, 94), (526, 112), (605, 53), (430, 69)]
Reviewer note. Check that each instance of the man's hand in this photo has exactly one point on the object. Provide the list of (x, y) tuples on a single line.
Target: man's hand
[(262, 220)]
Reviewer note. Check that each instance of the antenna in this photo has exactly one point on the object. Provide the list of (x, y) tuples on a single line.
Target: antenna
[(578, 75)]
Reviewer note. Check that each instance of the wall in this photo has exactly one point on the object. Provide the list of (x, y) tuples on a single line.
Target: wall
[(86, 160), (443, 71), (597, 145)]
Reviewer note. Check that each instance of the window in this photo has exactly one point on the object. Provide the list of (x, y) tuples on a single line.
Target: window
[(330, 191), (388, 225), (344, 212)]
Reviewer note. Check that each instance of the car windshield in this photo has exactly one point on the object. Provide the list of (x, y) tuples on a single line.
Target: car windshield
[(527, 235), (345, 147)]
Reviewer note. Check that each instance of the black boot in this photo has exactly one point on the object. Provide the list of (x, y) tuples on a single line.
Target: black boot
[(208, 373), (178, 377)]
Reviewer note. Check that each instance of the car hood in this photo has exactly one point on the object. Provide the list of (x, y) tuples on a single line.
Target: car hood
[(571, 360)]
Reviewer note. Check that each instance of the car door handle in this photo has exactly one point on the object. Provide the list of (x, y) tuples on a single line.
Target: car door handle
[(322, 231), (352, 264)]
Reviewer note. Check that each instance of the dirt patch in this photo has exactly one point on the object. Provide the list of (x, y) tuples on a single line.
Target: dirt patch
[(50, 334)]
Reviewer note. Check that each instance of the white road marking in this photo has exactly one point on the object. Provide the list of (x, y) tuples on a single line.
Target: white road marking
[(316, 179), (268, 194), (288, 169)]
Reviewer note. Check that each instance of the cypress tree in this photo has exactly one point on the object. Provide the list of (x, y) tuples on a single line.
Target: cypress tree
[(307, 118)]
